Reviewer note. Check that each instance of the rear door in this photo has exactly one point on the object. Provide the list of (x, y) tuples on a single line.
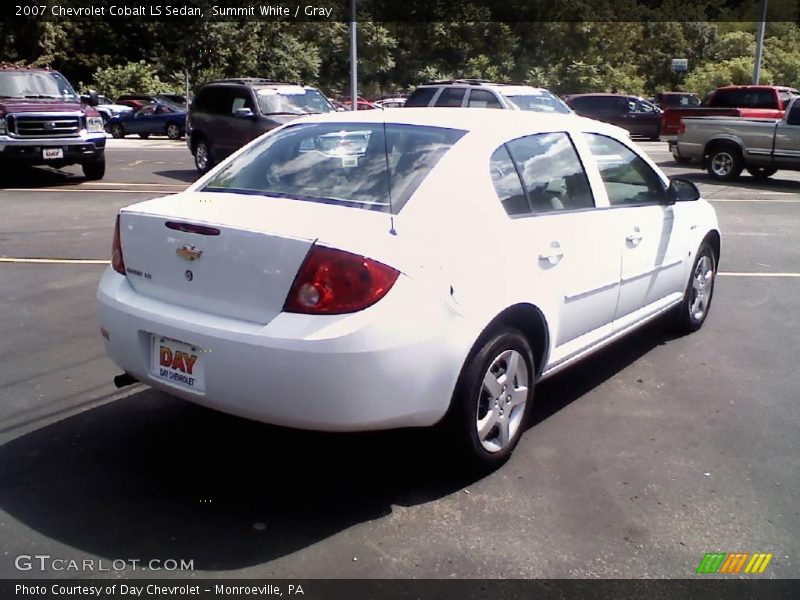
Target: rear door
[(564, 244)]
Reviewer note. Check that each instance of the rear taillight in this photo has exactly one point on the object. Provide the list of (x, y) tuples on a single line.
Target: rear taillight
[(681, 127), (116, 251), (333, 282)]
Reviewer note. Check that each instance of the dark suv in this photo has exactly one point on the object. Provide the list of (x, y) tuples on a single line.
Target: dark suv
[(480, 93), (227, 114), (635, 114)]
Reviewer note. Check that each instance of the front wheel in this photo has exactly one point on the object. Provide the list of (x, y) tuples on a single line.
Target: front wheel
[(94, 170), (202, 156), (116, 130), (173, 131), (725, 163), (761, 172), (697, 298), (492, 400)]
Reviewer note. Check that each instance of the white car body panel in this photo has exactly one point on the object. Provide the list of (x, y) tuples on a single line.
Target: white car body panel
[(462, 261)]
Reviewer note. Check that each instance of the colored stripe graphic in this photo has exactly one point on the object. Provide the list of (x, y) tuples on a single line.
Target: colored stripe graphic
[(711, 562), (759, 562), (734, 562)]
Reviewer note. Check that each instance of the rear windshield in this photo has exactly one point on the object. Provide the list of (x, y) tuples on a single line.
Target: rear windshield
[(539, 101), (292, 100), (351, 164)]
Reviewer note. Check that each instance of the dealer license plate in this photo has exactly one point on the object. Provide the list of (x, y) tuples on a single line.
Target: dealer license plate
[(52, 153), (177, 363)]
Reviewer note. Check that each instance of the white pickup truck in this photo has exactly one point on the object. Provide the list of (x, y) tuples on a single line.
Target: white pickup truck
[(727, 145)]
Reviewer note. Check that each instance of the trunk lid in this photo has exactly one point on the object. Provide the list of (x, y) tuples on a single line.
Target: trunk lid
[(228, 254)]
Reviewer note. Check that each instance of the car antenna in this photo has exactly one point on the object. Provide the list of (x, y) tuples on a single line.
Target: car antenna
[(392, 230)]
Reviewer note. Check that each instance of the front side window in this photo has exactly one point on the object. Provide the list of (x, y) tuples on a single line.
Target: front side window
[(552, 173), (628, 179), (350, 164), (482, 99)]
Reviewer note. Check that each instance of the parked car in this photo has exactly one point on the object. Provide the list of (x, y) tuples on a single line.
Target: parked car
[(227, 114), (633, 113), (308, 281), (758, 101), (480, 93), (666, 100), (396, 102), (362, 104), (158, 118), (43, 122), (106, 107), (726, 146)]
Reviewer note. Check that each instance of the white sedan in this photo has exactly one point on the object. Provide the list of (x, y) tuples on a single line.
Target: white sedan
[(416, 267)]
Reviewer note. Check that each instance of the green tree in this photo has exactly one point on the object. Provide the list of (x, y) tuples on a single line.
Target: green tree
[(134, 77)]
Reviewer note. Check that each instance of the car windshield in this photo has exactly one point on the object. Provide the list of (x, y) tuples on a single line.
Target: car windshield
[(361, 165), (539, 101), (292, 100), (35, 84)]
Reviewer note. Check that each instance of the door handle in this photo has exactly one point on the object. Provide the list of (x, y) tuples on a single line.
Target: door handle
[(553, 254), (635, 236)]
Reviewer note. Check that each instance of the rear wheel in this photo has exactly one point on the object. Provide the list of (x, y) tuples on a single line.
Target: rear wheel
[(117, 130), (94, 170), (202, 156), (725, 162), (697, 298), (761, 172), (173, 131), (492, 400)]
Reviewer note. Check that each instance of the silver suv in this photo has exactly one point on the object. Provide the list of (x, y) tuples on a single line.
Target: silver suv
[(480, 93)]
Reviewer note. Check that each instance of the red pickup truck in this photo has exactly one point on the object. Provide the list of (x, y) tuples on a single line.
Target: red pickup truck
[(752, 101)]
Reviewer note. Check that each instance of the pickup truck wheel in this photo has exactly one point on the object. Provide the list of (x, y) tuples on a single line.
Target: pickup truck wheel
[(173, 131), (116, 130), (761, 172), (94, 170), (725, 162)]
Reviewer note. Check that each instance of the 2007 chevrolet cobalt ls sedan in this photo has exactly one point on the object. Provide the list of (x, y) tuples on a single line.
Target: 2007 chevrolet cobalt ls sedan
[(408, 267)]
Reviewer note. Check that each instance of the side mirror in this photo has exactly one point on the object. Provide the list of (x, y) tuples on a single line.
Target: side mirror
[(243, 113), (682, 190), (93, 101)]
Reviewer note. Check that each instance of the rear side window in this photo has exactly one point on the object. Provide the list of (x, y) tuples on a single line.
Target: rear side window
[(507, 183), (628, 179), (339, 163), (451, 97), (483, 99), (422, 96), (552, 174)]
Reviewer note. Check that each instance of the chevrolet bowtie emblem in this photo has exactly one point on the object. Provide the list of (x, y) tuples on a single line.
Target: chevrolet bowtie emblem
[(189, 253)]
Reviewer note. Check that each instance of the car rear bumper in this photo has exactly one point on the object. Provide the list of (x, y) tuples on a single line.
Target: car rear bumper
[(377, 369), (30, 151)]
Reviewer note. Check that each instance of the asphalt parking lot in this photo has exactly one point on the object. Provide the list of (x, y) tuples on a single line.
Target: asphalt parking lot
[(638, 461)]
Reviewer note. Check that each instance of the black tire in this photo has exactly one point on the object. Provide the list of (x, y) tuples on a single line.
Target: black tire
[(762, 173), (472, 399), (116, 130), (144, 136), (94, 170), (203, 159), (688, 320), (173, 131), (725, 162)]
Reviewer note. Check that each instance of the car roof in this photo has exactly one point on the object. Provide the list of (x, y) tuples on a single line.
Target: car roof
[(467, 119)]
